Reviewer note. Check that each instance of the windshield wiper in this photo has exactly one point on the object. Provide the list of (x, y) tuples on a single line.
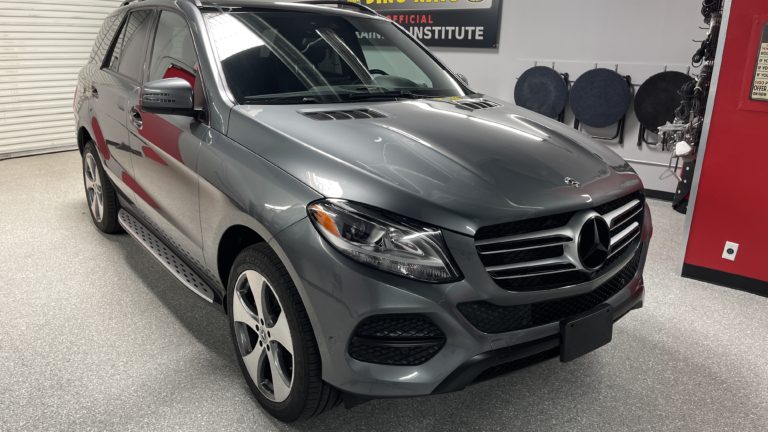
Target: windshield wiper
[(387, 95), (286, 99)]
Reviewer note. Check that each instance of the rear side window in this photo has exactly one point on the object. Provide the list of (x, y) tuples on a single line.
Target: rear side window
[(105, 37), (128, 54), (173, 53)]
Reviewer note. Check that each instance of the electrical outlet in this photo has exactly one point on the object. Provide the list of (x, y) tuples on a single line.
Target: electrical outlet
[(730, 251)]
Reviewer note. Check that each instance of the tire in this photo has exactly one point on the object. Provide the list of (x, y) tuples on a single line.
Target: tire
[(99, 192), (261, 330)]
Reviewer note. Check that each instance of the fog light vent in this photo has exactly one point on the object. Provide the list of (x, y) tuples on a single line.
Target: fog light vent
[(397, 340)]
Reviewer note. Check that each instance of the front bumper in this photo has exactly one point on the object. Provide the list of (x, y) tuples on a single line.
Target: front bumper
[(494, 363), (339, 294)]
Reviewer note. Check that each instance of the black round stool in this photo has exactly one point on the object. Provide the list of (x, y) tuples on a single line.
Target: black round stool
[(542, 90), (657, 100), (601, 98)]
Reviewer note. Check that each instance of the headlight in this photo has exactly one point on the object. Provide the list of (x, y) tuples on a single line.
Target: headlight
[(385, 241)]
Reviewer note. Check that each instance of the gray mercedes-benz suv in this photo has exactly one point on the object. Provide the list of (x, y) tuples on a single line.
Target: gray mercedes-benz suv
[(372, 227)]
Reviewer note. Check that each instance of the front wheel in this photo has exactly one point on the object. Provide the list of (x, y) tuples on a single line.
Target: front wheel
[(274, 341)]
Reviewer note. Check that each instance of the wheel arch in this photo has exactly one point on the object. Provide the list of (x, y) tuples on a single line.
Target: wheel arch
[(234, 240), (83, 136)]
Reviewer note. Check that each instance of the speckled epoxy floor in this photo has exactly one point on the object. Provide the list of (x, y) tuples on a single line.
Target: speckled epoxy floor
[(95, 335)]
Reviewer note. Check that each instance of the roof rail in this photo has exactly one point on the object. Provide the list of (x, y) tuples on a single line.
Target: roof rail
[(127, 2), (342, 3)]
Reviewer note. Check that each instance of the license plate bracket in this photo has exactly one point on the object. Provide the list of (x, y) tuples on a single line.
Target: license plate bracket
[(585, 333)]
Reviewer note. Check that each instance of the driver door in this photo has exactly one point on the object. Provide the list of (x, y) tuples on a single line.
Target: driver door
[(168, 146)]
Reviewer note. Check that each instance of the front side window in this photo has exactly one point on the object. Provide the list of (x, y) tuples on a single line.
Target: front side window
[(173, 52), (128, 54), (300, 57)]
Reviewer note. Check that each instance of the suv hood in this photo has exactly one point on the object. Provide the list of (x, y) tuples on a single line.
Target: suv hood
[(437, 161)]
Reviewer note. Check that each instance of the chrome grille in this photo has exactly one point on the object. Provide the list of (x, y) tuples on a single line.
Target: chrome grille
[(626, 223), (541, 253)]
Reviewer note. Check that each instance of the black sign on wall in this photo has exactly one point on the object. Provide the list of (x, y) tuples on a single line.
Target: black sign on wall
[(445, 23)]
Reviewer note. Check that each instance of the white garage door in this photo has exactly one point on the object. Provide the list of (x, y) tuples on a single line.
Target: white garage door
[(43, 45)]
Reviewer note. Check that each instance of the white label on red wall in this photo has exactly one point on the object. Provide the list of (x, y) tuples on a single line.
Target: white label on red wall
[(760, 83)]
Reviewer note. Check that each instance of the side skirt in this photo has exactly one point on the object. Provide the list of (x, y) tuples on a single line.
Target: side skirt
[(188, 277)]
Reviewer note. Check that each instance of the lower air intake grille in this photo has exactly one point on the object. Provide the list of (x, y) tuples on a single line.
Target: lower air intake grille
[(398, 340), (491, 318)]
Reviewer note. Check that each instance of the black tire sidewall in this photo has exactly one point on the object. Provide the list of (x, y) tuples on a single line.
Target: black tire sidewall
[(263, 260), (108, 223)]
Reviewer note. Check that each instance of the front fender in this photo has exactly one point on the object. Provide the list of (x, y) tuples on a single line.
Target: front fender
[(238, 187)]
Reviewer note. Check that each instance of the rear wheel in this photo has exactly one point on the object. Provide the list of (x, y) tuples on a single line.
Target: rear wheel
[(101, 195), (273, 338)]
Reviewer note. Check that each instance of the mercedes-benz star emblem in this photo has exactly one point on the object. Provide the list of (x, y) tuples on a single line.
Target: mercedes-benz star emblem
[(571, 182), (594, 243)]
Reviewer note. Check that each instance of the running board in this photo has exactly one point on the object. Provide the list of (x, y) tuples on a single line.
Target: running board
[(166, 256)]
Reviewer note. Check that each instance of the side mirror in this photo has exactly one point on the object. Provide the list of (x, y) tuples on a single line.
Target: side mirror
[(168, 96), (463, 79)]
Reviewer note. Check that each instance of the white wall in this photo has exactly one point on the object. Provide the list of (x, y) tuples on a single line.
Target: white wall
[(43, 45), (641, 37)]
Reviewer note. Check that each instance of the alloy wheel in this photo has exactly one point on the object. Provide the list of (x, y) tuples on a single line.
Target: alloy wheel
[(263, 336), (93, 187)]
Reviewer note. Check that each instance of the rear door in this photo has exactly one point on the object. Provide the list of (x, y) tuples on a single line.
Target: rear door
[(111, 92), (168, 146)]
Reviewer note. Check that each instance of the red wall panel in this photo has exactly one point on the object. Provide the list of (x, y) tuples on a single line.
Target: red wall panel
[(732, 200)]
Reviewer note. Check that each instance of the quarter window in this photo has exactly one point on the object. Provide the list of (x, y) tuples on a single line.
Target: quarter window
[(105, 37)]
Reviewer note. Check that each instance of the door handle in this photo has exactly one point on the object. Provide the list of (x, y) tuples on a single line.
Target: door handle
[(136, 118), (94, 92)]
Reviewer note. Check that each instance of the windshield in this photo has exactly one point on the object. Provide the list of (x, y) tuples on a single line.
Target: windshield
[(281, 57)]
